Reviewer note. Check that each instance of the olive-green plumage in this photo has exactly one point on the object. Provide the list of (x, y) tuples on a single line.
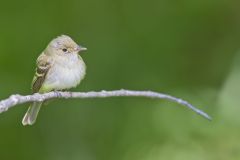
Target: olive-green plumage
[(58, 67)]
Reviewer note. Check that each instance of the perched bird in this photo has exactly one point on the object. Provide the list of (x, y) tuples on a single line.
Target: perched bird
[(59, 67)]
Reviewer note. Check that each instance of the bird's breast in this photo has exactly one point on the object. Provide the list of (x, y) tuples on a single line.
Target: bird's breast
[(66, 73)]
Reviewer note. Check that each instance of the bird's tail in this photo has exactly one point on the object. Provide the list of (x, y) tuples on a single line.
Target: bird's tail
[(31, 114)]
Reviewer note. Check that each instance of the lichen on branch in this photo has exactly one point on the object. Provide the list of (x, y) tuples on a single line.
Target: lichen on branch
[(16, 99)]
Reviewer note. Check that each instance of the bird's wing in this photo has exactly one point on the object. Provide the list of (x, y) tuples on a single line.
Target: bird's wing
[(43, 66)]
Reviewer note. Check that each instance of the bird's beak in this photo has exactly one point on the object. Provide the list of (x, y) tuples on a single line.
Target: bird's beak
[(81, 48)]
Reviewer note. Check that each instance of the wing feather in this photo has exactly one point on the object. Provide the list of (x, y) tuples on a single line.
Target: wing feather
[(43, 66)]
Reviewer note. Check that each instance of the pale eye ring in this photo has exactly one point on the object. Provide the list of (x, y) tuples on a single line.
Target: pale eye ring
[(64, 50)]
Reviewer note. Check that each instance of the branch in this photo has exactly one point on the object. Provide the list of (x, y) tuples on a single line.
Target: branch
[(19, 99)]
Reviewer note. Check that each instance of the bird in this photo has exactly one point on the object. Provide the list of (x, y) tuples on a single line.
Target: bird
[(58, 67)]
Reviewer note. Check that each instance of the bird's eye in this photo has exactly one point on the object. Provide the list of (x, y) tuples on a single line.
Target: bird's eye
[(64, 50)]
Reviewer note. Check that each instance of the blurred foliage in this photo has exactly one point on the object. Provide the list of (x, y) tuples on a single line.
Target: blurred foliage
[(185, 48)]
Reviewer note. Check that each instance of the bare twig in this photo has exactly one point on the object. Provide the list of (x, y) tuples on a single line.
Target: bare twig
[(19, 99)]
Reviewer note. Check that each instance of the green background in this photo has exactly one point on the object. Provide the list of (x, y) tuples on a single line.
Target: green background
[(187, 48)]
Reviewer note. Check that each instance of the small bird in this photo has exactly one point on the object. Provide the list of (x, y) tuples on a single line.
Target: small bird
[(59, 67)]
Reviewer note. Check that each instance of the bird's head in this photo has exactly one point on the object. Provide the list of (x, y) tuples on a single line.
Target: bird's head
[(64, 45)]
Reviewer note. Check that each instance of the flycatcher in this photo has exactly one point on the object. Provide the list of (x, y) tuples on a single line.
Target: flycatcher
[(59, 67)]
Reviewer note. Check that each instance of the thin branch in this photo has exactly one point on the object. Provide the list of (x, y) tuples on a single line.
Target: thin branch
[(19, 99)]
